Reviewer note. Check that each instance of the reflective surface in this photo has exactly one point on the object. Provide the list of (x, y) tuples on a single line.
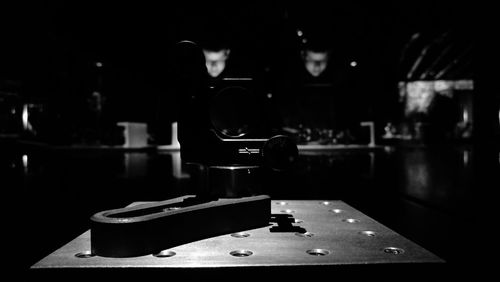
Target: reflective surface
[(434, 196), (334, 244)]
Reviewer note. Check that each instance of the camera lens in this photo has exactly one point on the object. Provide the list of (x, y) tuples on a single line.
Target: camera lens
[(234, 111)]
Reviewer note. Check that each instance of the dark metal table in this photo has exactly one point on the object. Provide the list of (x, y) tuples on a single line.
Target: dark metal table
[(310, 233)]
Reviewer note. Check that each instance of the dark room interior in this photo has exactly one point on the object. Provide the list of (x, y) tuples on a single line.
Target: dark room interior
[(374, 104)]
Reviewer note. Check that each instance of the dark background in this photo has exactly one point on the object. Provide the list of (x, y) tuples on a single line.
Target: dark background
[(50, 47), (48, 51)]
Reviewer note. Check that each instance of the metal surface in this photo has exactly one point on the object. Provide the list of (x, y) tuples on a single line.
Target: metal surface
[(331, 240), (234, 181)]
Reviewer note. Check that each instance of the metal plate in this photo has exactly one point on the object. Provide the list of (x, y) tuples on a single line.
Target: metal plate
[(322, 233)]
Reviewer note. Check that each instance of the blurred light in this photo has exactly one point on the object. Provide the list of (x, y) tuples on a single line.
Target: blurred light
[(353, 64), (299, 32), (465, 116), (304, 40), (24, 117), (389, 149), (25, 162), (269, 95), (466, 157), (98, 64)]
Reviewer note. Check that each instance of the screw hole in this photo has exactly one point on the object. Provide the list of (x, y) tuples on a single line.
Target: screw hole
[(368, 233), (350, 220), (240, 235), (335, 210), (165, 254), (318, 252), (85, 254), (241, 253), (393, 250)]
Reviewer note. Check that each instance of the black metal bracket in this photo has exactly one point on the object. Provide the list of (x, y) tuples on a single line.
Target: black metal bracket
[(150, 228)]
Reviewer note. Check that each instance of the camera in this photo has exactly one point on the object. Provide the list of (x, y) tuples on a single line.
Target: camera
[(223, 125), (223, 137)]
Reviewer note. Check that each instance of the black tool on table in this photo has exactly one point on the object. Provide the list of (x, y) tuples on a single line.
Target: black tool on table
[(225, 143)]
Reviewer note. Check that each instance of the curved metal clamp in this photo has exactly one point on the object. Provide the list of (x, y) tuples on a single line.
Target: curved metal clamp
[(150, 228)]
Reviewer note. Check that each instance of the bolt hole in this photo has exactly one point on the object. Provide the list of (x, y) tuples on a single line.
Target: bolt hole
[(282, 203), (350, 220), (335, 210), (240, 235), (368, 233), (85, 254), (318, 252), (241, 253), (165, 254), (393, 250)]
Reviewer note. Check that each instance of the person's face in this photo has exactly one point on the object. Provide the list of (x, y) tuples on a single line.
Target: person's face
[(315, 62), (216, 61)]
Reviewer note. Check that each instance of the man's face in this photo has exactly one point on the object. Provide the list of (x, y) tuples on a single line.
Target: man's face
[(315, 62), (216, 61)]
